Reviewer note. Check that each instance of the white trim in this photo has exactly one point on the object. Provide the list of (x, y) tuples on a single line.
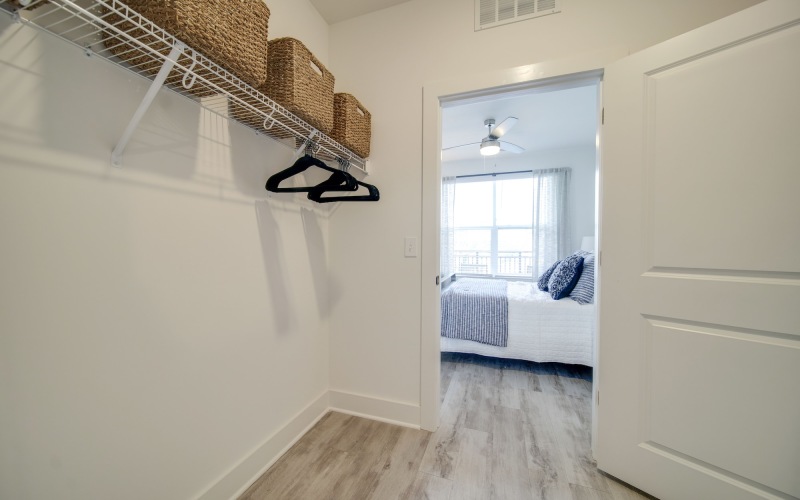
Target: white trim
[(435, 95), (598, 203), (247, 471), (242, 475), (377, 419), (382, 410)]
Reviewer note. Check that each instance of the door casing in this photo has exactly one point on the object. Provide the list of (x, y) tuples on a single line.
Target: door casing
[(548, 75)]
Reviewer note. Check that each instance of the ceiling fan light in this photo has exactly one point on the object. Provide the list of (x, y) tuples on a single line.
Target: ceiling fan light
[(490, 147)]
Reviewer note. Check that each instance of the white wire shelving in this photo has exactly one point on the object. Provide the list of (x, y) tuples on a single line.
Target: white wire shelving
[(111, 30)]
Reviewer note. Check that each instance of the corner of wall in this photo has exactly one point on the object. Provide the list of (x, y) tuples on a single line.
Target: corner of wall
[(241, 476), (382, 410), (245, 473)]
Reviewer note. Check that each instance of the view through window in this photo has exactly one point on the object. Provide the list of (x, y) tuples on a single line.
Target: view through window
[(493, 225)]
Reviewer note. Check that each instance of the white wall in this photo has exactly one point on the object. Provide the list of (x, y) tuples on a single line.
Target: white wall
[(300, 19), (159, 323), (385, 58), (163, 325), (582, 182)]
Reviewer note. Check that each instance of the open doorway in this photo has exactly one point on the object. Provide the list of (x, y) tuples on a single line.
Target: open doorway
[(548, 151), (512, 218), (516, 361)]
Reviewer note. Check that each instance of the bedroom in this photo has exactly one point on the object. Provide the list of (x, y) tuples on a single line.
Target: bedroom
[(497, 323), (545, 172), (168, 328)]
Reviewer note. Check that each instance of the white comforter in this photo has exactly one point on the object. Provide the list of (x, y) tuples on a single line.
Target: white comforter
[(539, 329)]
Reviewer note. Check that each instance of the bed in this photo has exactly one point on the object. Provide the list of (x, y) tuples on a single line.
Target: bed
[(538, 328)]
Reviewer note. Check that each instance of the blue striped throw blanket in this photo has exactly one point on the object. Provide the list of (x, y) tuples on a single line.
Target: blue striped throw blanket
[(476, 309)]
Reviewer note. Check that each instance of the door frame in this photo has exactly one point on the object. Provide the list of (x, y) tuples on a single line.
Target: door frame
[(479, 86)]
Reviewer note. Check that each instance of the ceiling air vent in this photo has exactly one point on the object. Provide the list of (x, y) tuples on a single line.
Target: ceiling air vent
[(491, 13)]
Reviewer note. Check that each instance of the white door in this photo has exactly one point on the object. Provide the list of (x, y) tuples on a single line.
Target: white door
[(699, 331)]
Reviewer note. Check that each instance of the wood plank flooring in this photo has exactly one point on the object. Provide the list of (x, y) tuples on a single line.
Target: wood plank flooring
[(509, 430)]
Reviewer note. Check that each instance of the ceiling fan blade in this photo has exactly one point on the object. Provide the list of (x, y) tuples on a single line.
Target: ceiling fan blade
[(511, 148), (460, 146), (503, 127)]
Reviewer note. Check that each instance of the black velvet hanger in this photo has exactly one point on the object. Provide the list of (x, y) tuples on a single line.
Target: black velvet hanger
[(315, 194), (338, 181)]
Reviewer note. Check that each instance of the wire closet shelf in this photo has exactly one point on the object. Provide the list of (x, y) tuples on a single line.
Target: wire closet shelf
[(112, 30)]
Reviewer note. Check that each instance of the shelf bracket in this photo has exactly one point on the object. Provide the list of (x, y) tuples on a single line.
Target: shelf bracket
[(155, 86)]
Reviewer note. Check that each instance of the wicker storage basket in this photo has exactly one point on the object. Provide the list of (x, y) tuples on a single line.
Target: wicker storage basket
[(232, 33), (299, 82), (352, 124)]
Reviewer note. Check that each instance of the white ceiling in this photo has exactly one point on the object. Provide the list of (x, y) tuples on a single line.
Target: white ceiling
[(547, 120), (334, 11)]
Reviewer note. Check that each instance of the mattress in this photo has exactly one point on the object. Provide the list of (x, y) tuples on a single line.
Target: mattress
[(539, 329)]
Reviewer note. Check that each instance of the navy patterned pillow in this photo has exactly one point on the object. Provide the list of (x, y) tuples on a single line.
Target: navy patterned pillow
[(583, 293), (545, 277), (565, 276)]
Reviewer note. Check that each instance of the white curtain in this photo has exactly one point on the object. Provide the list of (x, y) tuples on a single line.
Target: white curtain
[(550, 217), (447, 258)]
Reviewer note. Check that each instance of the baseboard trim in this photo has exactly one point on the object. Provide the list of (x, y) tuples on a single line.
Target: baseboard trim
[(241, 476), (248, 470), (382, 410)]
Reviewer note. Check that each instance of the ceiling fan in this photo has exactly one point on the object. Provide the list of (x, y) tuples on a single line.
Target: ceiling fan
[(491, 144)]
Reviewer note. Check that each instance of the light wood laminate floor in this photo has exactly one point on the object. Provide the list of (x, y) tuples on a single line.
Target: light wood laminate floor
[(509, 430)]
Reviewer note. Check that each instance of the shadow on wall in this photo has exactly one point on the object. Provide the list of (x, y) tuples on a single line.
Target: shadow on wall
[(65, 112), (76, 108), (92, 91), (274, 259), (317, 259), (255, 157)]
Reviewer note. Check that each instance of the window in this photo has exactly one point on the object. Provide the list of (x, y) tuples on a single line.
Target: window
[(508, 225), (493, 225)]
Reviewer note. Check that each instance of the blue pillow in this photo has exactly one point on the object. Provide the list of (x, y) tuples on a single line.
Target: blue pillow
[(565, 276), (583, 293), (545, 277)]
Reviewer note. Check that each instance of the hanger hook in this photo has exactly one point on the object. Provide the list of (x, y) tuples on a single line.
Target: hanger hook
[(269, 119), (187, 84), (311, 147)]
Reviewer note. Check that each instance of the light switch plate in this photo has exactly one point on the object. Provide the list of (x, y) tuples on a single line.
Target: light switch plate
[(410, 247)]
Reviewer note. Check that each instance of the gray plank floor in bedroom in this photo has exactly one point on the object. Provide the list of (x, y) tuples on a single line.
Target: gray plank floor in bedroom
[(509, 429)]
